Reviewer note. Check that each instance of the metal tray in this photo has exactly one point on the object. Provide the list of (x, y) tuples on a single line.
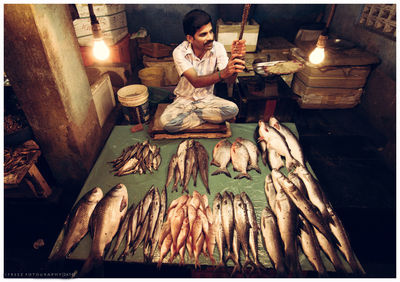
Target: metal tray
[(258, 67)]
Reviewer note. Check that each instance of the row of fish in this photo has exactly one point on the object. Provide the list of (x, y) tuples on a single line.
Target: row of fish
[(137, 158), (300, 215), (102, 215), (142, 224), (236, 228), (190, 159), (277, 141), (189, 226), (243, 154)]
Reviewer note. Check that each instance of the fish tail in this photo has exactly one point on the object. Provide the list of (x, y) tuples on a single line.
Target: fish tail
[(247, 262), (93, 264), (236, 269), (264, 158), (159, 263), (196, 263), (280, 270), (242, 175), (255, 167), (222, 170), (229, 256)]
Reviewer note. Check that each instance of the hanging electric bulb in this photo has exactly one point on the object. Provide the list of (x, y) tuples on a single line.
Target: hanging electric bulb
[(100, 48), (318, 54)]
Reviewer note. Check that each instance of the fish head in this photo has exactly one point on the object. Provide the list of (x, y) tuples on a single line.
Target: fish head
[(95, 195), (237, 202), (268, 178), (273, 122), (276, 173), (119, 188)]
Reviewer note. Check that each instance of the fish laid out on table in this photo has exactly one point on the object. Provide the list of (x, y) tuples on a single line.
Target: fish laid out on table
[(137, 158), (243, 154), (190, 159)]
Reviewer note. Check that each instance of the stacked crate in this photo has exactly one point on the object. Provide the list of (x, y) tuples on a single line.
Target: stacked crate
[(113, 23), (337, 84)]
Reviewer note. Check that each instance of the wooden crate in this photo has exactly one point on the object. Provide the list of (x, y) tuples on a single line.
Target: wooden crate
[(229, 31), (325, 97)]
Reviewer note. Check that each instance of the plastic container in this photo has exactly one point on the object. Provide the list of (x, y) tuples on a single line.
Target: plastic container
[(152, 76), (134, 101)]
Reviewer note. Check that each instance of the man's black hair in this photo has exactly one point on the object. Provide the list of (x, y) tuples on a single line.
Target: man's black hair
[(194, 20)]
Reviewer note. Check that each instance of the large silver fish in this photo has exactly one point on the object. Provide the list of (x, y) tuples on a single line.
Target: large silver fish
[(253, 229), (309, 211), (217, 222), (122, 230), (313, 190), (155, 209), (228, 223), (253, 153), (235, 252), (160, 220), (181, 153), (277, 142), (274, 159), (262, 145), (270, 192), (287, 217), (298, 182), (222, 157), (189, 163), (291, 139), (330, 251), (310, 246), (272, 240), (202, 158), (76, 225), (171, 169), (104, 224), (242, 226), (338, 230), (240, 159)]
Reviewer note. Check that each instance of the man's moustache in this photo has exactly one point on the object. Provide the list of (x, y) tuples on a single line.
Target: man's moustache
[(208, 42)]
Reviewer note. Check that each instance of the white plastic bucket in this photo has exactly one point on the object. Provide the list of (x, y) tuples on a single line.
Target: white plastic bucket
[(134, 101)]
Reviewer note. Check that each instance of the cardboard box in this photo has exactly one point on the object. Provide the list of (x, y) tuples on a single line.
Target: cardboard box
[(229, 31), (99, 9), (114, 28), (103, 97), (325, 97)]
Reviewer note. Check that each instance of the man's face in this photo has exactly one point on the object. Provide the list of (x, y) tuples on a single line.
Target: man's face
[(203, 39)]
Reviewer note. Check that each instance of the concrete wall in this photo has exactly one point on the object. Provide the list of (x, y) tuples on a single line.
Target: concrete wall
[(379, 98), (164, 22)]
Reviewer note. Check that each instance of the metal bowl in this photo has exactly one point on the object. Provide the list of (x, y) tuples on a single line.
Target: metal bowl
[(258, 67)]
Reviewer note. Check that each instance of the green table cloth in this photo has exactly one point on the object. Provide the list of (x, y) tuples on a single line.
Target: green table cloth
[(121, 137)]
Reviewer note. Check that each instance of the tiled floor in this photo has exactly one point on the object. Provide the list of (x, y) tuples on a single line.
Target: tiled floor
[(342, 149)]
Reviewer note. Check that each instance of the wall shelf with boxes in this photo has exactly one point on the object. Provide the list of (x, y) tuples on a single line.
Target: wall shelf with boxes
[(338, 83)]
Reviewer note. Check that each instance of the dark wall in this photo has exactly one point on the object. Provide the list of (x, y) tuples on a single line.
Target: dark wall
[(164, 22), (379, 98)]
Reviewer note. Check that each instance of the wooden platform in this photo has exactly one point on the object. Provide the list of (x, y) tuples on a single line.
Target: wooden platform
[(206, 130)]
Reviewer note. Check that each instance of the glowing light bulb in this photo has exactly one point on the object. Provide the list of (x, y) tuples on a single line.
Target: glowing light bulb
[(317, 56), (100, 50)]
